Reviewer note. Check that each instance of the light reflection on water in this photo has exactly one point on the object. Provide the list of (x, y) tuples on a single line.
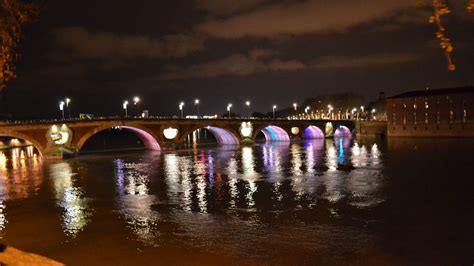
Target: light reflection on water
[(70, 198), (226, 198)]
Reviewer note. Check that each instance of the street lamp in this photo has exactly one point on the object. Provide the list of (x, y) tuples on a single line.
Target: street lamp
[(373, 113), (61, 108), (196, 102), (228, 108), (274, 107), (306, 110), (248, 106), (295, 106), (136, 102), (125, 107), (67, 106), (181, 105), (330, 108)]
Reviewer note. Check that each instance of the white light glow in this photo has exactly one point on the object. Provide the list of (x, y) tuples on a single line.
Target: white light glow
[(295, 130), (246, 129), (170, 133)]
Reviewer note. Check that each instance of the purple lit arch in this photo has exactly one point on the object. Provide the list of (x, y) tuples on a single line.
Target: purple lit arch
[(343, 132), (148, 140), (313, 132), (223, 136), (274, 133)]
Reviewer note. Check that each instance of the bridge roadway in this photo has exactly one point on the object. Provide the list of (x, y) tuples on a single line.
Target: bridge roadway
[(58, 138)]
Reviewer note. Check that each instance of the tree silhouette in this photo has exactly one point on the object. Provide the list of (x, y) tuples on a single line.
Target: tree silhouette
[(14, 15)]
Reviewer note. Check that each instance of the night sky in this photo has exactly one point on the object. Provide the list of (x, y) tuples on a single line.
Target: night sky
[(100, 53)]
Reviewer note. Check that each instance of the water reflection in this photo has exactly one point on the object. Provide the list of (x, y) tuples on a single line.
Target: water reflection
[(311, 202), (274, 176), (70, 197), (135, 200)]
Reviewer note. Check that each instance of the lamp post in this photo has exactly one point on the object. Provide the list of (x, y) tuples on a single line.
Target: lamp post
[(273, 109), (125, 107), (67, 106), (228, 108), (181, 105), (295, 106), (306, 110), (196, 102), (61, 108), (136, 102), (330, 108), (248, 107)]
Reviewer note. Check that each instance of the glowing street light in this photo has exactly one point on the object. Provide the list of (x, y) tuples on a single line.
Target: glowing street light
[(61, 108), (67, 100), (295, 106), (196, 102), (136, 102), (274, 107), (228, 108), (181, 105), (125, 107), (248, 107)]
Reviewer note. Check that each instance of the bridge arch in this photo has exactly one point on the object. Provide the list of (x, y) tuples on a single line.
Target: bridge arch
[(146, 136), (313, 132), (222, 135), (41, 150), (342, 132), (273, 134)]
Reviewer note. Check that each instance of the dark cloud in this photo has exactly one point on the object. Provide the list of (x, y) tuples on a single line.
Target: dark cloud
[(302, 17), (365, 61), (226, 8), (234, 65), (244, 65), (259, 53), (105, 45)]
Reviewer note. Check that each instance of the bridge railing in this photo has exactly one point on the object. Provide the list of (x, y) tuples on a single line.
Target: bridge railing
[(157, 118)]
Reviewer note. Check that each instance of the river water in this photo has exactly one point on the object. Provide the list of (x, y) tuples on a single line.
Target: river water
[(334, 201)]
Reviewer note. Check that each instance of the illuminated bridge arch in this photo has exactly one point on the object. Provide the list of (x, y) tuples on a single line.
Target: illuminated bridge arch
[(313, 132), (145, 136), (342, 132), (223, 136), (38, 147), (275, 134)]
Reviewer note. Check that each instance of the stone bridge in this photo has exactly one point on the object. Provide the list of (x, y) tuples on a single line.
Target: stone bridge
[(56, 139)]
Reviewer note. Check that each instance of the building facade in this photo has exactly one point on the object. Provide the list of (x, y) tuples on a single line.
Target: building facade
[(437, 113)]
